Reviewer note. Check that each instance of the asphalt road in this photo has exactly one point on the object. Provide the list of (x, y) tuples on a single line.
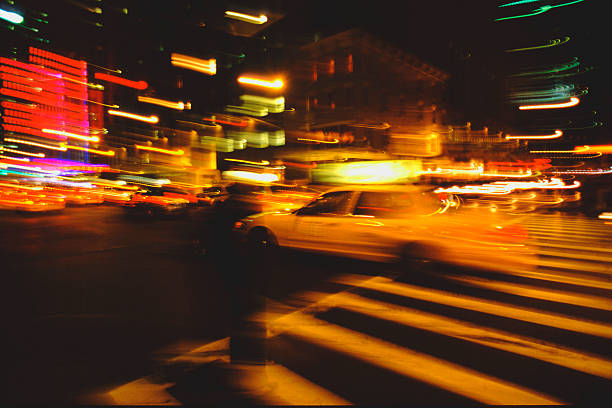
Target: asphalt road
[(94, 300), (90, 296)]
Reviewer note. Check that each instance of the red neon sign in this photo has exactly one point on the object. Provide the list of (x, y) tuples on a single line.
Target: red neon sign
[(60, 58)]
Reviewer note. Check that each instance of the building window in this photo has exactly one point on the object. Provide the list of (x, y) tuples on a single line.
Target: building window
[(332, 103), (349, 67), (332, 67), (314, 72)]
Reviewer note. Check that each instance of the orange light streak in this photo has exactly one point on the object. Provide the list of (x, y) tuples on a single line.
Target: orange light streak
[(166, 104), (592, 149), (225, 122), (21, 159), (261, 19), (5, 149), (318, 141), (276, 84), (122, 81), (61, 148), (160, 150), (558, 133), (95, 151), (572, 102), (72, 135), (148, 119), (208, 66)]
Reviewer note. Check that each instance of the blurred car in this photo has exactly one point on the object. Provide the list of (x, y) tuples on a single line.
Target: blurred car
[(28, 199), (214, 194), (251, 198), (154, 202), (177, 192), (390, 224), (75, 195), (110, 195)]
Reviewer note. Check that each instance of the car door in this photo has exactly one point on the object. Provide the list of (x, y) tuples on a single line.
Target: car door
[(317, 226)]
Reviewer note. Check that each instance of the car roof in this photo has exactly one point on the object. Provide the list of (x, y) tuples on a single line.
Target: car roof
[(386, 188)]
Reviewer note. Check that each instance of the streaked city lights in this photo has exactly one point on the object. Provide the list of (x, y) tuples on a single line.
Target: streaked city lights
[(258, 163), (6, 149), (148, 119), (558, 133), (551, 43), (605, 149), (208, 66), (160, 150), (72, 135), (90, 150), (11, 17), (506, 187), (161, 102), (248, 110), (141, 85), (250, 176), (239, 123), (572, 102), (261, 19), (60, 148), (539, 10), (273, 105), (276, 84)]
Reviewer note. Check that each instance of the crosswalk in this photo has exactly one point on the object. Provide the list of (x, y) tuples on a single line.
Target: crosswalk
[(540, 336), (553, 323)]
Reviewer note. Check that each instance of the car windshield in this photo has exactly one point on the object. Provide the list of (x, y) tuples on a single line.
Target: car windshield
[(396, 204), (335, 203)]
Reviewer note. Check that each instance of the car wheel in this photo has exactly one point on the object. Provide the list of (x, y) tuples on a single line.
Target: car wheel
[(416, 257), (261, 242)]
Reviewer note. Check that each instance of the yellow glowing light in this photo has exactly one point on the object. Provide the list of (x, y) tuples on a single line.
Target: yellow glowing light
[(318, 141), (572, 102), (555, 135), (250, 176), (605, 216), (593, 149), (506, 187), (248, 110), (148, 119), (382, 126), (22, 159), (160, 150), (61, 148), (208, 66), (6, 149), (167, 104), (72, 135), (260, 163), (276, 84), (273, 105), (95, 151), (261, 19)]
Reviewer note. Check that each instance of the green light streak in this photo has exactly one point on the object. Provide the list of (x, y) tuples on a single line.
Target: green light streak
[(554, 69), (539, 10), (515, 3), (551, 43)]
